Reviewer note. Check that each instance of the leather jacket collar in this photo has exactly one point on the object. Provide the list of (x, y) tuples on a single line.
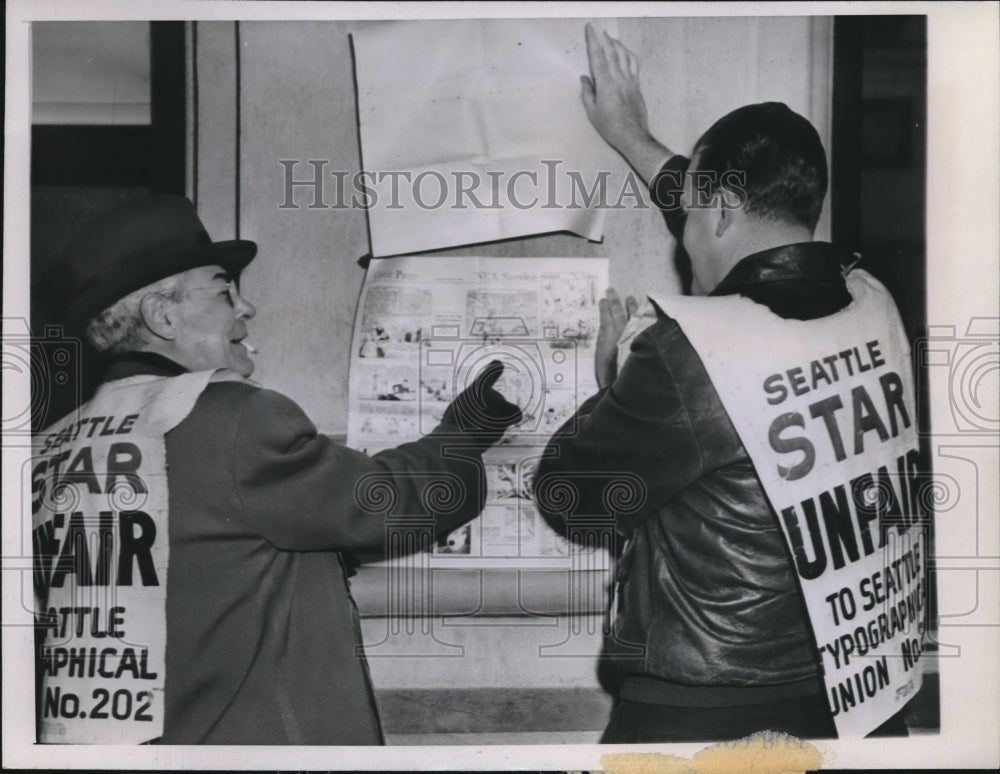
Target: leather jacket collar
[(801, 281), (798, 261)]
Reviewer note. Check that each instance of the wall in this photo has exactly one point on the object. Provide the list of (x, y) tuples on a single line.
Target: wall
[(297, 101), (489, 677)]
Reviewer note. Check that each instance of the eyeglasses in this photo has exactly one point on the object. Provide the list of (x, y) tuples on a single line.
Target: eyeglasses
[(230, 288)]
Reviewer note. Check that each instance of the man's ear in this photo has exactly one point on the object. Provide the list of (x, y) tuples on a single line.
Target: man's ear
[(157, 317), (726, 216)]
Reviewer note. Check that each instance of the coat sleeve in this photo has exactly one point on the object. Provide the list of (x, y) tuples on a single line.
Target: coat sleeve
[(666, 188), (638, 434), (301, 490)]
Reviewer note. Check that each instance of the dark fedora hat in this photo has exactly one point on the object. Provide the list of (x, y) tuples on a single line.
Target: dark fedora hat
[(139, 243)]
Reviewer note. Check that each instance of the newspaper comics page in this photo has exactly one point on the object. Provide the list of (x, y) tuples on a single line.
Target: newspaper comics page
[(425, 328)]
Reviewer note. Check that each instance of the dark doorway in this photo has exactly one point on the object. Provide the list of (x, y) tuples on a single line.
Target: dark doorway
[(879, 152), (878, 195)]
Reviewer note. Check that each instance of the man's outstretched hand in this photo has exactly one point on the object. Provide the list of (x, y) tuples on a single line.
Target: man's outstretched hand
[(614, 316), (482, 410), (615, 105)]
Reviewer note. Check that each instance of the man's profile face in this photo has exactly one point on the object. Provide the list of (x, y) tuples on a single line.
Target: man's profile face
[(210, 321)]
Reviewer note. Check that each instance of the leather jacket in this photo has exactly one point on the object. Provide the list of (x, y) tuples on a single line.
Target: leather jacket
[(709, 612)]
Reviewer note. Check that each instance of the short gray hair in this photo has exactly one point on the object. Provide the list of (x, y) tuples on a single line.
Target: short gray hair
[(119, 328)]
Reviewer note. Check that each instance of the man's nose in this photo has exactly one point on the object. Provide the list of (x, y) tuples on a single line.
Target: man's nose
[(244, 309)]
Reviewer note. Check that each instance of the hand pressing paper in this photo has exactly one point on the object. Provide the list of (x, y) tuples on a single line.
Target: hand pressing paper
[(474, 131)]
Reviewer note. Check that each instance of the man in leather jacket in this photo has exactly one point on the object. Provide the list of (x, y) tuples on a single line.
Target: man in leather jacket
[(711, 634)]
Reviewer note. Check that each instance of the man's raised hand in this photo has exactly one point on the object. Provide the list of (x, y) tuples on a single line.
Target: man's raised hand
[(615, 106), (611, 92)]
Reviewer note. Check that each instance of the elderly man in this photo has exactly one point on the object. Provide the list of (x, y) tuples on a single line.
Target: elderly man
[(188, 524), (713, 631)]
